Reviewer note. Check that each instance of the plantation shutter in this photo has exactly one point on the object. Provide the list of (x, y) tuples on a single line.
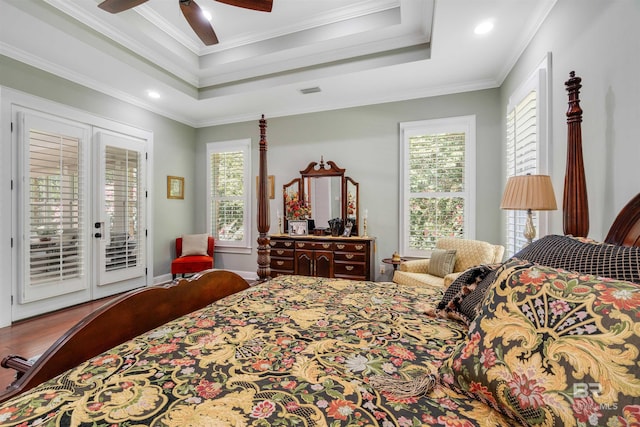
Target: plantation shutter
[(522, 158), (122, 206), (228, 196), (56, 249), (436, 188)]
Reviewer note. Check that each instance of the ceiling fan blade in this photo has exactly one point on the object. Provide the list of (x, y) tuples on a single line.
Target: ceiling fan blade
[(260, 5), (201, 26), (115, 6)]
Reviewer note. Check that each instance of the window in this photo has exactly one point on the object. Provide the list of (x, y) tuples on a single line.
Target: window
[(526, 148), (229, 186), (437, 192)]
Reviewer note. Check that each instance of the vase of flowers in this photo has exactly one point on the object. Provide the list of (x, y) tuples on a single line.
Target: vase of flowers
[(295, 208)]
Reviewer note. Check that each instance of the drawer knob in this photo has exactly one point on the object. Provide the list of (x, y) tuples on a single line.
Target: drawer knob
[(359, 247), (340, 246), (349, 256), (326, 245), (280, 262), (280, 252), (349, 267), (288, 244)]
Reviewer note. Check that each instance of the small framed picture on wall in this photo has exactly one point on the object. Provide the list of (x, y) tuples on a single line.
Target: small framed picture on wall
[(175, 187)]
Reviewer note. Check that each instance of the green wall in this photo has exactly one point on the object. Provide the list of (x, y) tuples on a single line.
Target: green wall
[(365, 141), (173, 148), (600, 41)]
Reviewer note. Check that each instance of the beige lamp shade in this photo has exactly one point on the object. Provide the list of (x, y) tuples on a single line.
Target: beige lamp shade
[(529, 192)]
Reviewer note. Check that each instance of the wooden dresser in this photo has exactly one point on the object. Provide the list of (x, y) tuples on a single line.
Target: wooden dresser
[(323, 256)]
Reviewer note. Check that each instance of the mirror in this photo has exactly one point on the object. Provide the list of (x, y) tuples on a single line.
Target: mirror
[(321, 194), (324, 195)]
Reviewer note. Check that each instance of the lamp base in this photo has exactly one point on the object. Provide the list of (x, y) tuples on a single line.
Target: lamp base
[(529, 229)]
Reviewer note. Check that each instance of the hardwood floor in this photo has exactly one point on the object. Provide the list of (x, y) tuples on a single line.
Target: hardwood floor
[(32, 337)]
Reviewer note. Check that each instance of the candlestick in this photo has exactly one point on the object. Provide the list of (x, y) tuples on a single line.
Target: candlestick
[(364, 226)]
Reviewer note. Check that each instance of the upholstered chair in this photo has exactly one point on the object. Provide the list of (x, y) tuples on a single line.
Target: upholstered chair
[(468, 253), (194, 253)]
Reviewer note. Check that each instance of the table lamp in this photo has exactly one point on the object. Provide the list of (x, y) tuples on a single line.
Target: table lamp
[(529, 193)]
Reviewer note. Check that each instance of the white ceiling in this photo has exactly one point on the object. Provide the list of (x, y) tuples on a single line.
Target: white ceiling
[(358, 52)]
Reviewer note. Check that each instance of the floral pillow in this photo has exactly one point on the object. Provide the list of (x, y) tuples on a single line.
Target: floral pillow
[(553, 347)]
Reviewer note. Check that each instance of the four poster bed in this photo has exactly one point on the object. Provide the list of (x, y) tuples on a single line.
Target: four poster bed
[(527, 342)]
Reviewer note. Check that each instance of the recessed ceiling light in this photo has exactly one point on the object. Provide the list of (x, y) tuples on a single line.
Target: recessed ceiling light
[(483, 27), (153, 94)]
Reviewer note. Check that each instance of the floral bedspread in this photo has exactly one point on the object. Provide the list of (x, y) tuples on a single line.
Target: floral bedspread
[(294, 351)]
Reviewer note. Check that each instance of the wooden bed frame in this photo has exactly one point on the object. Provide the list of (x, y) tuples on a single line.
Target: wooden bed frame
[(119, 320)]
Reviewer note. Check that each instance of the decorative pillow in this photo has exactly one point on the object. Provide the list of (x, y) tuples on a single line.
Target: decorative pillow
[(552, 347), (462, 288), (586, 256), (442, 262), (194, 244)]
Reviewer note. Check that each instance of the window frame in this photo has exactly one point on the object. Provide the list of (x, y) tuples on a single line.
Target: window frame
[(538, 80), (466, 124), (243, 145)]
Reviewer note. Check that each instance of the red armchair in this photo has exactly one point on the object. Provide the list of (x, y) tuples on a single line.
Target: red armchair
[(192, 263)]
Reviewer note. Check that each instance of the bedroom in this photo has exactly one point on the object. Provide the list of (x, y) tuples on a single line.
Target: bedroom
[(579, 35)]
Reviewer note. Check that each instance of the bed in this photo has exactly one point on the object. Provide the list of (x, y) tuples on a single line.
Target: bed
[(527, 342)]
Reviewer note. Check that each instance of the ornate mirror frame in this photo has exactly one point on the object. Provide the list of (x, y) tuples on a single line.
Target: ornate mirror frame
[(297, 190)]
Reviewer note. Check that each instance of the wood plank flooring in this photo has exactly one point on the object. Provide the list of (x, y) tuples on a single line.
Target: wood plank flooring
[(32, 337)]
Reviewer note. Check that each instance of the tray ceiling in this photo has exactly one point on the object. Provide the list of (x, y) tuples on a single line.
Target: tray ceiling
[(355, 52)]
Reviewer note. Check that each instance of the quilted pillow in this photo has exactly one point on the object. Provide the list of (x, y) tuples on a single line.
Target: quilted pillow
[(586, 256), (553, 347), (194, 244), (460, 299), (442, 262)]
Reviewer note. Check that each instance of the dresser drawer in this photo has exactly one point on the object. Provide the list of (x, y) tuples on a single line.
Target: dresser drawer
[(351, 247), (349, 269), (312, 245), (281, 253), (282, 264), (350, 256), (283, 244)]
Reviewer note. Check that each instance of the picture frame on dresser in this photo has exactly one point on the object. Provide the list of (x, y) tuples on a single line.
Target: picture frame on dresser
[(298, 227)]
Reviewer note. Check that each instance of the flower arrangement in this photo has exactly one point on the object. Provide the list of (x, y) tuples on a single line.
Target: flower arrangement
[(295, 208), (351, 205)]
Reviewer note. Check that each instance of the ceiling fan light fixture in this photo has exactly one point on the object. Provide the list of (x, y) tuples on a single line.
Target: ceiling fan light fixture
[(198, 18)]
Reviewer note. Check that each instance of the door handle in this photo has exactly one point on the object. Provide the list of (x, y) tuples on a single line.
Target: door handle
[(98, 233)]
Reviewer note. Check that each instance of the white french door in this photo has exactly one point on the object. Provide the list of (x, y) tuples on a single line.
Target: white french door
[(119, 226), (81, 213), (53, 194)]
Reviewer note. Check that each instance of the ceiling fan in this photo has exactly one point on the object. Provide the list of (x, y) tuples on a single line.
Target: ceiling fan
[(192, 13)]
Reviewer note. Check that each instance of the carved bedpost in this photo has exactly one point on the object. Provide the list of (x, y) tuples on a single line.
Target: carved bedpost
[(264, 249), (575, 204)]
